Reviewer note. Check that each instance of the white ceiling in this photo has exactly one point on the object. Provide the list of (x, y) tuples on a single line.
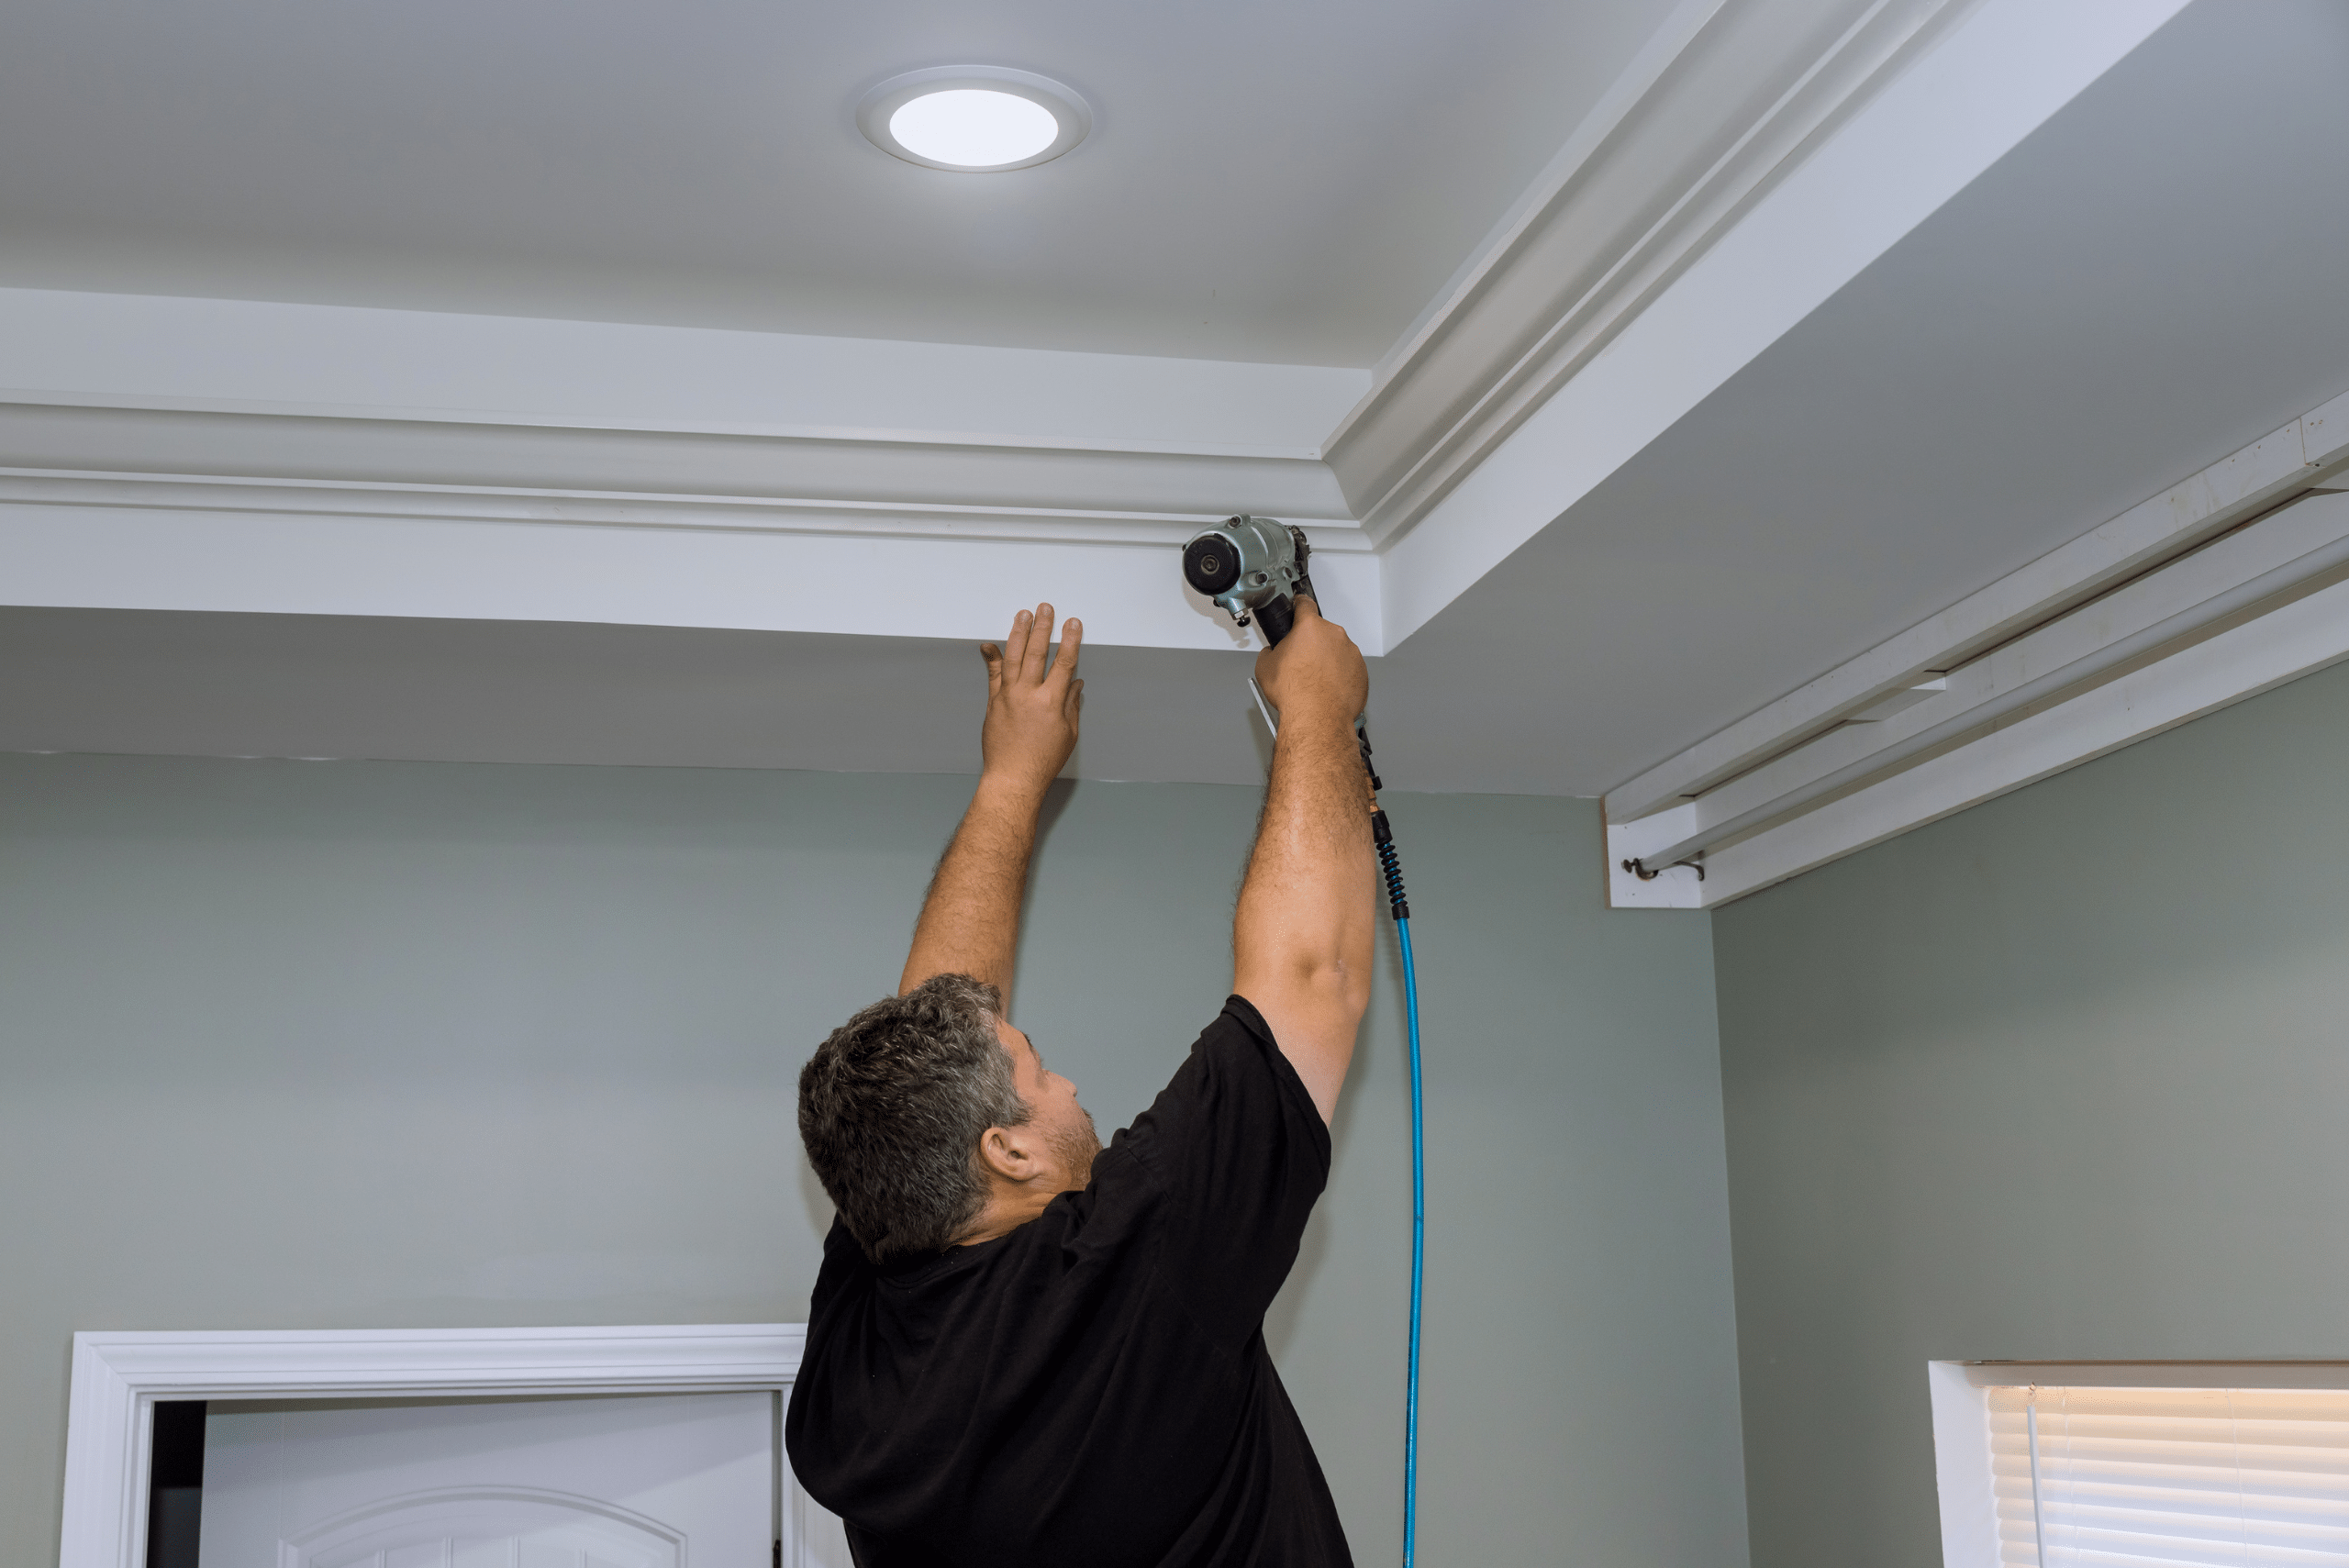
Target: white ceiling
[(2143, 284), (1287, 182)]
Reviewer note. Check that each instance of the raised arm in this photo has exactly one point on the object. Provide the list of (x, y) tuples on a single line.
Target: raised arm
[(970, 922), (1302, 938)]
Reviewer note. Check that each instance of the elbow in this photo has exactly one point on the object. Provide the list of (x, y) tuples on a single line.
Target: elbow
[(1334, 989), (1328, 974), (1337, 988)]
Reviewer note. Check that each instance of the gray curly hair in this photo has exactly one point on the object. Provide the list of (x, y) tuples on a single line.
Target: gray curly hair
[(892, 1108)]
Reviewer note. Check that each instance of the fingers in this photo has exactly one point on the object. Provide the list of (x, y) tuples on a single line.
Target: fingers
[(1027, 652), (1038, 647), (1015, 645)]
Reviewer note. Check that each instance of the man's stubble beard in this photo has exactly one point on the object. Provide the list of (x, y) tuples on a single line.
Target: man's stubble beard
[(1077, 1150)]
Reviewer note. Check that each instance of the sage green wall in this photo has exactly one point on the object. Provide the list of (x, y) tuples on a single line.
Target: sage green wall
[(2062, 1076), (373, 1044)]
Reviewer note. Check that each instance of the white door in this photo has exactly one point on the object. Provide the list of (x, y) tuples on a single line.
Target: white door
[(685, 1480)]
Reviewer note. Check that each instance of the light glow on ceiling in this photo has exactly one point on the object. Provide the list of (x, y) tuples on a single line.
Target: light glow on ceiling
[(974, 128)]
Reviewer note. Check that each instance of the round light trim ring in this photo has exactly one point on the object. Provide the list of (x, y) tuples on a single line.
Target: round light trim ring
[(879, 108)]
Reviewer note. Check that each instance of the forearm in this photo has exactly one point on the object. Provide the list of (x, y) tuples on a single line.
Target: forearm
[(970, 922), (1303, 935), (1306, 909)]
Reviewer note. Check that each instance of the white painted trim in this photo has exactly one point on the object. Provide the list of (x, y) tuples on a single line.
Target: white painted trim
[(2302, 542), (881, 518), (2239, 486), (2197, 598), (138, 508), (552, 570), (120, 1375), (1961, 1471), (2156, 1375), (1108, 489), (624, 424), (2304, 636)]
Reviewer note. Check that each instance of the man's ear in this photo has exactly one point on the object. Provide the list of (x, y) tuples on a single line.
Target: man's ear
[(1003, 1152)]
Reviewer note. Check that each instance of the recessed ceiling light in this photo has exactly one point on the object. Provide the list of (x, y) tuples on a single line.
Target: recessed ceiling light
[(973, 128), (974, 120)]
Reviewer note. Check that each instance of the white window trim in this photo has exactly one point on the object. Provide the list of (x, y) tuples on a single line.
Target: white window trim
[(1961, 1396), (120, 1376), (1962, 1467)]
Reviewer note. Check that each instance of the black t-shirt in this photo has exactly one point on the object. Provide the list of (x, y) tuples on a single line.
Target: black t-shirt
[(1092, 1389)]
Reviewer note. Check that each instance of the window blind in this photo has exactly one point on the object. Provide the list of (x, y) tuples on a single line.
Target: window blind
[(2171, 1477)]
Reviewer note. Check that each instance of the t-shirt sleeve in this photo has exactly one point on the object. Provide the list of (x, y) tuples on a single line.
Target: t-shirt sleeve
[(1238, 1155)]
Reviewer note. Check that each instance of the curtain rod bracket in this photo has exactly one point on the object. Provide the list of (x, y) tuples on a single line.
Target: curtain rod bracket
[(1639, 868)]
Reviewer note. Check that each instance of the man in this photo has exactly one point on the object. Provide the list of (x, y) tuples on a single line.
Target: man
[(1024, 1349)]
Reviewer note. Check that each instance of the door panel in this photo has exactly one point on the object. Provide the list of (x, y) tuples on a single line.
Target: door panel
[(667, 1482), (483, 1528)]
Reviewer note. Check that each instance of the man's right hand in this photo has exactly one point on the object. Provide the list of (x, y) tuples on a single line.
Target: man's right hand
[(1030, 727), (1315, 671), (970, 922)]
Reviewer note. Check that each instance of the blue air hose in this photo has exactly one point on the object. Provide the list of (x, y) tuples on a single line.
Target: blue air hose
[(1400, 908), (1419, 1253), (1383, 836)]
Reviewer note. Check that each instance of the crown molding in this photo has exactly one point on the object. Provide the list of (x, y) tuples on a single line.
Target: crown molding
[(146, 507), (163, 452), (612, 422), (298, 461), (59, 453), (1727, 98), (873, 518)]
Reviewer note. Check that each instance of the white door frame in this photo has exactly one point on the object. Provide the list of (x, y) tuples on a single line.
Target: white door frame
[(118, 1377)]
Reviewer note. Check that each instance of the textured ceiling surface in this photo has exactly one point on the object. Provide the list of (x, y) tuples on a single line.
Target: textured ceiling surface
[(1282, 182)]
